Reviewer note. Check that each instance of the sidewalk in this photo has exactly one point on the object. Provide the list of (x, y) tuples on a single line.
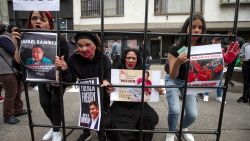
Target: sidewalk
[(235, 127)]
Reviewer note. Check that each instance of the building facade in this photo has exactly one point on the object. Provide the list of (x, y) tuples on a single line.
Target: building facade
[(164, 16), (65, 16)]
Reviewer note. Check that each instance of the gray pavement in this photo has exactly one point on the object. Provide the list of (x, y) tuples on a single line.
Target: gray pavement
[(235, 126)]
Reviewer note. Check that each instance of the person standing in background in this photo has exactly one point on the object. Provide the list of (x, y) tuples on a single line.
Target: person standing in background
[(115, 52), (245, 55), (12, 84), (216, 40)]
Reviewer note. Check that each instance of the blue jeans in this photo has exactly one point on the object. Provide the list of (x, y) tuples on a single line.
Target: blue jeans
[(218, 91), (174, 106)]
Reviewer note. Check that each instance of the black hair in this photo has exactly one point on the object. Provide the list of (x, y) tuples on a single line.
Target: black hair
[(183, 40), (38, 46), (124, 55), (93, 103)]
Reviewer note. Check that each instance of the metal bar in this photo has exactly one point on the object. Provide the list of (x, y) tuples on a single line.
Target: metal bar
[(102, 132), (143, 71), (60, 78), (229, 73), (113, 33), (25, 85), (187, 68)]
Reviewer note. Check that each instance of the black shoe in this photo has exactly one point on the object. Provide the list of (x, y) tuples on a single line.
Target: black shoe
[(85, 136), (23, 112), (242, 99), (11, 120)]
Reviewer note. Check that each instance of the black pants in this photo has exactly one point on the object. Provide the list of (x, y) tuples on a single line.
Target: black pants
[(50, 102), (13, 87), (125, 115), (246, 80)]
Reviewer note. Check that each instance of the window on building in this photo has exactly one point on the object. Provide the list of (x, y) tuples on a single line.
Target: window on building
[(176, 6), (232, 2), (92, 8)]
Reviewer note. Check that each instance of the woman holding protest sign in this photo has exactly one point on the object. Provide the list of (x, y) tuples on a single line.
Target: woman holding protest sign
[(127, 115), (86, 62), (48, 94), (178, 67)]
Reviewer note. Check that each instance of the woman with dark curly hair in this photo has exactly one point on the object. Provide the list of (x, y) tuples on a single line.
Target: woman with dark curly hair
[(127, 115)]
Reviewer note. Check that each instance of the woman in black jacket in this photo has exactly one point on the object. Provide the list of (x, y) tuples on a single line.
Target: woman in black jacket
[(86, 62), (127, 115)]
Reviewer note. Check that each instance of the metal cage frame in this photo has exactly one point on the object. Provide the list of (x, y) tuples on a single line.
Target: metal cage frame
[(145, 35)]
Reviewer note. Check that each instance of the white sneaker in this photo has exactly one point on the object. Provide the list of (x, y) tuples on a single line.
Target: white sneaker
[(56, 136), (206, 97), (170, 137), (48, 135), (35, 88), (188, 137), (219, 99)]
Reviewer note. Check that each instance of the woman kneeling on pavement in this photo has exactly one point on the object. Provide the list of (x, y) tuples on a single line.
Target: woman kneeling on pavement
[(84, 63)]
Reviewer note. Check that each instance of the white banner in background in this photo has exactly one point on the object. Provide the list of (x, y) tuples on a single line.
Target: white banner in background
[(36, 5)]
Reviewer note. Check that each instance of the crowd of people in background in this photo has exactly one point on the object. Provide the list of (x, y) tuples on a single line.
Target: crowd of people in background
[(81, 58)]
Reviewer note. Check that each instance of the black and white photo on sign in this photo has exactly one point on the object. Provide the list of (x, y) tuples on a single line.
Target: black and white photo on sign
[(90, 108)]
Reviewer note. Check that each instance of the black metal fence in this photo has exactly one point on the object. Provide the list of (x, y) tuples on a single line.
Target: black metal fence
[(145, 36)]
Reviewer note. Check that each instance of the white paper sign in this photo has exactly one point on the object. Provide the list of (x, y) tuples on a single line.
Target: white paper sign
[(206, 68), (247, 52), (134, 77), (36, 5)]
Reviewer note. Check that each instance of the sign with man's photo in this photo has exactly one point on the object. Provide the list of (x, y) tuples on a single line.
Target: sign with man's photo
[(90, 108), (37, 53)]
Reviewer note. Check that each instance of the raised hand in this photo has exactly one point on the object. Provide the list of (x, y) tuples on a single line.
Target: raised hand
[(16, 35), (232, 52), (182, 58), (60, 63)]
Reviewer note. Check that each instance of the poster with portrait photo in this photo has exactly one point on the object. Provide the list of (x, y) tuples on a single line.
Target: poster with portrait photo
[(37, 53), (90, 105), (134, 77), (36, 5), (206, 68)]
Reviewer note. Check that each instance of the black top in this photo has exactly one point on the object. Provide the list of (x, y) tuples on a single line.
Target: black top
[(83, 68), (183, 41), (173, 51)]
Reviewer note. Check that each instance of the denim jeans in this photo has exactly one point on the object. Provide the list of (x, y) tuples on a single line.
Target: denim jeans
[(218, 92), (174, 105)]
